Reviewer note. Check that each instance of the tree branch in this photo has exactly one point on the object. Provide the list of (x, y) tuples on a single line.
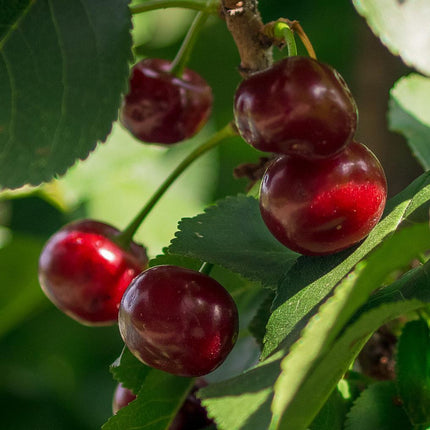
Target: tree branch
[(246, 26)]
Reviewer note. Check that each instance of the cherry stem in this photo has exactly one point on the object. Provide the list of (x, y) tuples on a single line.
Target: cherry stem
[(297, 28), (282, 30), (202, 5), (206, 268), (183, 55), (126, 236)]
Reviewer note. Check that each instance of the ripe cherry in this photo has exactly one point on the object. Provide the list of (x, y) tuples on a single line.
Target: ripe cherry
[(122, 396), (163, 108), (85, 273), (298, 106), (318, 207), (178, 320)]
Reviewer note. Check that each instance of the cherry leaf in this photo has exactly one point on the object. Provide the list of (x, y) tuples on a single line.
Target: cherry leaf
[(63, 68), (233, 235), (402, 25), (409, 114), (377, 408), (413, 371)]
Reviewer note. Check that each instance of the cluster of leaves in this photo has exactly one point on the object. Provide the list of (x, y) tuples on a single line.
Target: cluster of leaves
[(310, 315)]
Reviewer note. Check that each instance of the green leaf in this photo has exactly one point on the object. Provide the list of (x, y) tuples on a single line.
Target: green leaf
[(378, 407), (257, 326), (128, 370), (297, 400), (405, 295), (156, 404), (175, 260), (233, 235), (20, 293), (332, 415), (402, 25), (243, 402), (337, 361), (409, 114), (63, 68), (413, 371), (312, 278), (11, 13)]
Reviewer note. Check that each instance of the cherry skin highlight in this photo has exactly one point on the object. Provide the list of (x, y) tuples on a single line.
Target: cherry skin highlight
[(85, 273), (162, 108), (298, 106), (122, 396), (178, 320), (318, 207)]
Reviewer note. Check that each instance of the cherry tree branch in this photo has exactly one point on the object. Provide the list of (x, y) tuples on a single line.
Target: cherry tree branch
[(246, 26)]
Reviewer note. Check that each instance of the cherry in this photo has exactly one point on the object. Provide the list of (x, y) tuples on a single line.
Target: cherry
[(298, 106), (122, 396), (163, 108), (85, 273), (318, 207), (178, 320)]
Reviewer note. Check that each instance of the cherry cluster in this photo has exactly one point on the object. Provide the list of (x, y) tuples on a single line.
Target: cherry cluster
[(323, 192), (171, 318), (174, 319)]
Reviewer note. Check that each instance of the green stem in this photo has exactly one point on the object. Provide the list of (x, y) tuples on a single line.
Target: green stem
[(422, 258), (206, 268), (181, 59), (126, 236), (201, 5), (282, 30)]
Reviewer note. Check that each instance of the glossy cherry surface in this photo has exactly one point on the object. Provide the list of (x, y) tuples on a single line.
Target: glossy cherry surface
[(298, 106), (178, 320), (122, 396), (318, 207), (163, 108), (84, 273)]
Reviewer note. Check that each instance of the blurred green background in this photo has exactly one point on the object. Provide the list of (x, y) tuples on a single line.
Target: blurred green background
[(54, 371)]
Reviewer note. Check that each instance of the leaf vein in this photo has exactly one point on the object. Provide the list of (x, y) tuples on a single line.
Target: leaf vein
[(55, 139)]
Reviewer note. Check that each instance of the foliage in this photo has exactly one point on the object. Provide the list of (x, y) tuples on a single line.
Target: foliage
[(303, 320)]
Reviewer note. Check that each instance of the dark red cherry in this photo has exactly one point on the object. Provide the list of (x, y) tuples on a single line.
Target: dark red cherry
[(121, 397), (85, 273), (178, 320), (318, 207), (298, 106), (163, 108)]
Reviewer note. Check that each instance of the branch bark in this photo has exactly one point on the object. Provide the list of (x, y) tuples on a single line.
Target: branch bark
[(246, 26)]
